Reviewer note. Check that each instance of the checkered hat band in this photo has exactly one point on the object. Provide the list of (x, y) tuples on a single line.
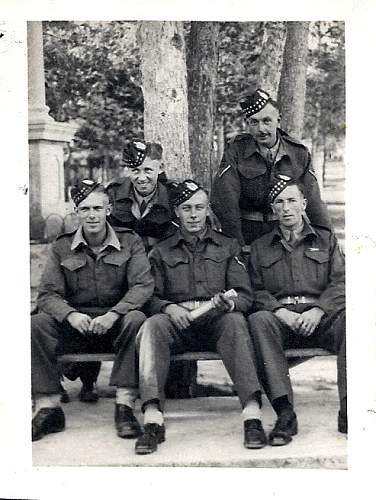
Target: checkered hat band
[(79, 193), (255, 107), (184, 191), (278, 188)]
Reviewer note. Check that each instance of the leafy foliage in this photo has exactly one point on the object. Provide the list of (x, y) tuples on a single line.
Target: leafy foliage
[(92, 77)]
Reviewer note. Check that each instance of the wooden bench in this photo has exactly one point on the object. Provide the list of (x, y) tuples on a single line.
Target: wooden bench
[(295, 356)]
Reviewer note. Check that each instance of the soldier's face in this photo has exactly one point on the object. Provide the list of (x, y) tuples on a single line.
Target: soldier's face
[(289, 206), (145, 177), (92, 213), (193, 212), (263, 125)]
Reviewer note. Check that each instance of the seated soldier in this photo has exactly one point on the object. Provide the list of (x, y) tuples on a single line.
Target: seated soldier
[(94, 282), (190, 268), (297, 271)]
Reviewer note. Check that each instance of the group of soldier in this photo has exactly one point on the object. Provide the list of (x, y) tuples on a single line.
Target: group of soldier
[(147, 275)]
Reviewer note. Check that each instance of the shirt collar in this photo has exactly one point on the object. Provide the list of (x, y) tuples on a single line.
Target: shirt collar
[(110, 240), (252, 147), (276, 234), (209, 234), (161, 195), (147, 199)]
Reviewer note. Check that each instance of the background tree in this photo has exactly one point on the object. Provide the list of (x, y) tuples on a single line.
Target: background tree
[(202, 61), (164, 85), (270, 59), (93, 77), (292, 87)]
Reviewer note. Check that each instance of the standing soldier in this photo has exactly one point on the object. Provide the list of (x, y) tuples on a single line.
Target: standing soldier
[(141, 201), (250, 166)]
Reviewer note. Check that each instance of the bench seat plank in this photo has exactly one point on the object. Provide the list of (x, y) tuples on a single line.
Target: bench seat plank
[(190, 356)]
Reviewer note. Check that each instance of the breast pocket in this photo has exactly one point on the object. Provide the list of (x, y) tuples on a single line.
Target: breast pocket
[(215, 271), (272, 271), (115, 269), (176, 273), (318, 265), (75, 273)]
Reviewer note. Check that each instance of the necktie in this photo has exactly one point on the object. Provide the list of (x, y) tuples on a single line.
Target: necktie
[(269, 157), (143, 207)]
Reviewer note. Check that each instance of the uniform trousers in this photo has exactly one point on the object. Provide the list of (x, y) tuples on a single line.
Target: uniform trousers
[(50, 338), (270, 338), (225, 333)]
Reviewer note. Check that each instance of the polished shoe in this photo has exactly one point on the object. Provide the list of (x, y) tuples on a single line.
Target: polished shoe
[(88, 394), (47, 421), (285, 427), (254, 434), (127, 425), (342, 422), (64, 396), (153, 435)]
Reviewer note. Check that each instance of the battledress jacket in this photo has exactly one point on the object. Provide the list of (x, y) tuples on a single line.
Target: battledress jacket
[(74, 279), (182, 275), (314, 267), (244, 180)]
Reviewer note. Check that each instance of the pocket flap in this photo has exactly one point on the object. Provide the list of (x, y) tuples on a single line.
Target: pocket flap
[(319, 256), (73, 263), (217, 256), (116, 258), (174, 260), (269, 260)]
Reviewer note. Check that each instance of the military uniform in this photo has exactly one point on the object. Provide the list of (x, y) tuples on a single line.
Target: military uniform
[(188, 273), (116, 279), (298, 277), (246, 174), (154, 223)]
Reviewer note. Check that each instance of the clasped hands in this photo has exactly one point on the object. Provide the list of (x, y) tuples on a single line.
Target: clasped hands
[(301, 323), (98, 326), (182, 318)]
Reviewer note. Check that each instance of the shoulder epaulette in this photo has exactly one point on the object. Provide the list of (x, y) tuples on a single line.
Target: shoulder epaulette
[(115, 182), (240, 137), (68, 233), (123, 230), (288, 138)]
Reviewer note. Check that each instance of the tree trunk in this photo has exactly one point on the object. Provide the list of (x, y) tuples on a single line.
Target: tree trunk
[(292, 86), (270, 59), (164, 86), (202, 63)]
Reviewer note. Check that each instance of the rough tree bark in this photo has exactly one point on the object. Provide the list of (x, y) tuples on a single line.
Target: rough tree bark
[(271, 56), (202, 59), (292, 86), (164, 86)]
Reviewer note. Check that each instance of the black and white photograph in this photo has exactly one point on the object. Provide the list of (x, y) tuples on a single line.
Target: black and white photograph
[(192, 194)]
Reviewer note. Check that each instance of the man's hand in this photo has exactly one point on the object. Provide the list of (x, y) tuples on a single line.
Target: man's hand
[(101, 324), (79, 321), (179, 316), (222, 303), (308, 321), (287, 317)]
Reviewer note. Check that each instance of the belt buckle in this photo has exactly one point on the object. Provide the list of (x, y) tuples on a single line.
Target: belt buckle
[(196, 304), (297, 299)]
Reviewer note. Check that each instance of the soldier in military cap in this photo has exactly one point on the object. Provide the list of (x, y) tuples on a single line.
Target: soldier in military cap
[(93, 285), (297, 272), (191, 269), (249, 168), (141, 200)]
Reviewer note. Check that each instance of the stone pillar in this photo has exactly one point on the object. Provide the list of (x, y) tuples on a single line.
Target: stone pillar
[(46, 136)]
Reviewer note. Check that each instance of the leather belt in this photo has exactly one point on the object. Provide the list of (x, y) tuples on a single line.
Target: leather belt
[(297, 299), (191, 305), (257, 216)]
